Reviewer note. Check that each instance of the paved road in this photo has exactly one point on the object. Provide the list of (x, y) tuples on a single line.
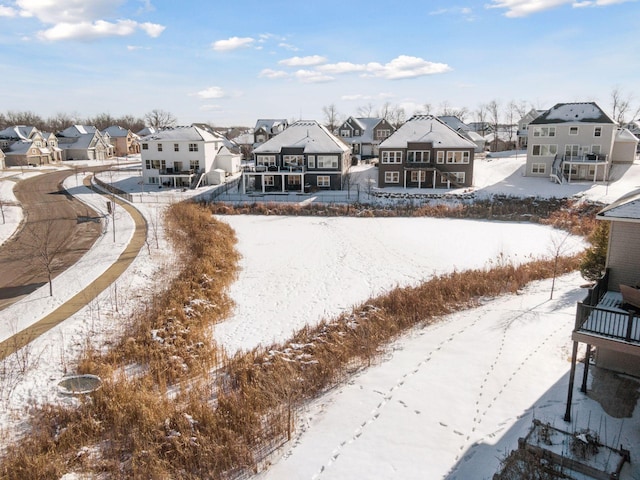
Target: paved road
[(55, 235)]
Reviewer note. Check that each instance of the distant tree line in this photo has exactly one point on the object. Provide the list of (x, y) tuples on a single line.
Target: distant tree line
[(155, 118)]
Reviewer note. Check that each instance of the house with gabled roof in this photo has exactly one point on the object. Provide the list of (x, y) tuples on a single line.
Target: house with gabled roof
[(84, 142), (124, 141), (364, 134), (459, 126), (575, 141), (426, 153), (523, 126), (608, 319), (26, 145), (305, 154), (186, 157), (267, 128)]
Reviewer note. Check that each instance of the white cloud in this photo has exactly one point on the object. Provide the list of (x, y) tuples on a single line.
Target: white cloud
[(522, 8), (312, 76), (288, 46), (211, 92), (8, 11), (80, 19), (359, 97), (269, 73), (405, 66), (97, 29), (232, 43), (342, 67), (88, 31), (69, 11), (303, 61), (152, 29)]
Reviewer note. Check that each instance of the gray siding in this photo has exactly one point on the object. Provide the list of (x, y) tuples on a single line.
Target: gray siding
[(624, 254)]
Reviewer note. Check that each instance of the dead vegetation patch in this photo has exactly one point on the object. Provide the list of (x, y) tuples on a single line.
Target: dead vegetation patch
[(191, 412)]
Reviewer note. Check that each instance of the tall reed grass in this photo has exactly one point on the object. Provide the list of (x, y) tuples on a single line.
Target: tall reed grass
[(173, 405)]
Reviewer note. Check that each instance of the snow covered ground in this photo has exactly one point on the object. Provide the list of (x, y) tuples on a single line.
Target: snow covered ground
[(448, 401)]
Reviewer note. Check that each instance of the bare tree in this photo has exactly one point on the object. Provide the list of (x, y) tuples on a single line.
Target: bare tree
[(43, 246), (25, 118), (331, 117), (620, 105), (481, 118), (493, 111), (512, 120), (160, 119), (426, 108), (101, 121), (557, 249), (447, 110), (60, 121), (365, 111)]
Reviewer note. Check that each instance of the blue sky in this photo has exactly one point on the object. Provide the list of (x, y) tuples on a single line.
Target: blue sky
[(230, 63)]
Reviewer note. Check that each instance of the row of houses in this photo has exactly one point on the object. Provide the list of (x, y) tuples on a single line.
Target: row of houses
[(26, 145)]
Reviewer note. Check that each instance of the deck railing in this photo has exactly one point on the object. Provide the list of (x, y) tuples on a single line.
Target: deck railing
[(617, 325)]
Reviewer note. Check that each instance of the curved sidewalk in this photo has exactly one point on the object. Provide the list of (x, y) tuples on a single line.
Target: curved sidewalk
[(91, 291)]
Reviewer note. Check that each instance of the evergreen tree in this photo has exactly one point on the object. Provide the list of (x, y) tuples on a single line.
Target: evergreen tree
[(592, 266)]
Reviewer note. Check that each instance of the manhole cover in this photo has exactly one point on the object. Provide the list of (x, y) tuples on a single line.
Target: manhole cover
[(79, 384)]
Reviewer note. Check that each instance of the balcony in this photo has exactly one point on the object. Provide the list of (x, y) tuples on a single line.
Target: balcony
[(276, 169), (603, 319), (171, 171)]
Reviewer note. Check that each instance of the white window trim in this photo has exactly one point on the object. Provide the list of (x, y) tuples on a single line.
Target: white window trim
[(390, 176), (453, 154), (542, 146), (539, 168), (544, 131), (418, 174), (391, 156), (323, 181), (423, 154), (597, 130), (576, 129), (440, 157)]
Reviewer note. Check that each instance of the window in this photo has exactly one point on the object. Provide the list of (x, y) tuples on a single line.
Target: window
[(194, 165), (597, 131), (268, 181), (383, 133), (159, 147), (539, 168), (193, 147), (544, 150), (573, 130), (595, 149), (147, 164), (312, 161), (544, 131), (457, 177), (294, 179), (392, 157), (345, 133), (266, 160), (418, 156), (153, 180), (418, 176), (157, 164), (457, 157), (391, 177), (324, 181), (176, 147), (327, 161), (145, 146), (571, 150), (356, 133), (260, 138), (293, 159), (440, 157)]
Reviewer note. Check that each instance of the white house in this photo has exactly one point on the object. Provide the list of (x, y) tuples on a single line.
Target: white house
[(575, 141), (185, 157), (84, 142), (523, 126)]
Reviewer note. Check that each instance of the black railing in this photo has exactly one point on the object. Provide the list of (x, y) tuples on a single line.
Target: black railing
[(612, 324)]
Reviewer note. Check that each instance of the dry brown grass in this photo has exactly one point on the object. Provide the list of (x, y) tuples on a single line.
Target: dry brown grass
[(190, 412)]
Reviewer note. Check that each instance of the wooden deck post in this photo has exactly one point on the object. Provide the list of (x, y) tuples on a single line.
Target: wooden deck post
[(585, 373), (572, 376)]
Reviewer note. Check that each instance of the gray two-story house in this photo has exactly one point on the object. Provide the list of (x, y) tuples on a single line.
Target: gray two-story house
[(576, 141), (304, 154), (426, 153), (365, 134)]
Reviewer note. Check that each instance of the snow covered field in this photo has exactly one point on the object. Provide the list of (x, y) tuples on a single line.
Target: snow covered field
[(448, 401)]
